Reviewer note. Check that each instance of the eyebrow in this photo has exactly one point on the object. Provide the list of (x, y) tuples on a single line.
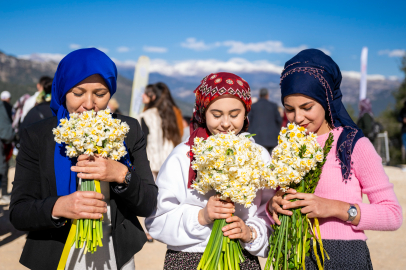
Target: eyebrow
[(97, 89), (304, 104), (215, 110)]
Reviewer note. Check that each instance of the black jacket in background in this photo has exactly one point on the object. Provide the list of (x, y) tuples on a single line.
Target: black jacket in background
[(34, 195), (265, 122), (36, 114)]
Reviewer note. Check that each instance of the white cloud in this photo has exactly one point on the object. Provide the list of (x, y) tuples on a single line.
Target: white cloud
[(238, 47), (43, 57), (74, 46), (193, 44), (126, 63), (155, 49), (269, 46), (357, 75), (393, 53), (123, 49), (204, 67)]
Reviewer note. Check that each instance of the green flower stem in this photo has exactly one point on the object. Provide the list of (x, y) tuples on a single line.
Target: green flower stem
[(89, 232), (221, 253)]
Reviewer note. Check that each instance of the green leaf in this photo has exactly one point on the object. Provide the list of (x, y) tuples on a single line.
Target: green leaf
[(250, 135)]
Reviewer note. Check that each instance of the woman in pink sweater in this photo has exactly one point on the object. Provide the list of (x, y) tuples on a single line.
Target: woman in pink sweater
[(310, 85)]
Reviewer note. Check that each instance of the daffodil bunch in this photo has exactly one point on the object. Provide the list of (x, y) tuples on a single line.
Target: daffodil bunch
[(297, 153), (297, 163), (90, 133), (231, 165)]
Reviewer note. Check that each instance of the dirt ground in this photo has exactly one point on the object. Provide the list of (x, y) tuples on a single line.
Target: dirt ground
[(388, 249)]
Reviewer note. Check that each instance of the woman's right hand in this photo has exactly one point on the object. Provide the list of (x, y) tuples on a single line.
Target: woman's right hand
[(215, 209), (275, 203), (80, 205)]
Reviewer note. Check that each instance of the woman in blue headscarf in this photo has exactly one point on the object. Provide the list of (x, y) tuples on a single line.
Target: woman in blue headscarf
[(311, 95), (45, 198)]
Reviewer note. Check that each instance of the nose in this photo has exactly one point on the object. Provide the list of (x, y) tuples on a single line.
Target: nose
[(299, 117), (225, 123), (88, 103)]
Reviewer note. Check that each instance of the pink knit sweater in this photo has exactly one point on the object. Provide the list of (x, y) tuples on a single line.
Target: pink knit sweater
[(382, 214)]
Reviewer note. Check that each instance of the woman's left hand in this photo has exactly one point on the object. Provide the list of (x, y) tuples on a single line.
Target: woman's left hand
[(237, 229), (315, 206), (97, 167)]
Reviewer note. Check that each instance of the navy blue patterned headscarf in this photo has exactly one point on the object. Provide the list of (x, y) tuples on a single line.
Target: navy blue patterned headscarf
[(313, 73), (74, 68)]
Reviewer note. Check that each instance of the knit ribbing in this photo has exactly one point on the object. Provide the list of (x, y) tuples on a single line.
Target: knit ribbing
[(368, 177)]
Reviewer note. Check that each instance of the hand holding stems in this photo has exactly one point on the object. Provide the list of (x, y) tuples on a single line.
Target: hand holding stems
[(312, 205), (89, 204), (97, 167), (80, 205), (219, 209)]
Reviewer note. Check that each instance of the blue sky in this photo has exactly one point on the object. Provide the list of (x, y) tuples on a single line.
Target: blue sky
[(178, 31)]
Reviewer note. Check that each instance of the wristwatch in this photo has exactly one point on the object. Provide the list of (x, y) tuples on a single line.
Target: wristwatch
[(352, 213), (127, 178)]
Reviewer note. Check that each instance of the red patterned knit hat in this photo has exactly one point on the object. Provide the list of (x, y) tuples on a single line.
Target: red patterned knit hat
[(210, 88), (215, 85)]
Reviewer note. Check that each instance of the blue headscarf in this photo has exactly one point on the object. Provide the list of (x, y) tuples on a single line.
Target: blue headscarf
[(313, 73), (74, 68)]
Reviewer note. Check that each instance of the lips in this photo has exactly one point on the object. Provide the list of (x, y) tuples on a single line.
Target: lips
[(305, 126)]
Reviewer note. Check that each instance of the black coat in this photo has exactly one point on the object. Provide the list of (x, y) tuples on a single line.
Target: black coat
[(265, 122), (37, 113), (34, 195)]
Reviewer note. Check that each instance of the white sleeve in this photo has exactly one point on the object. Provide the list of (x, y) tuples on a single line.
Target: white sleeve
[(262, 225), (175, 221), (260, 221)]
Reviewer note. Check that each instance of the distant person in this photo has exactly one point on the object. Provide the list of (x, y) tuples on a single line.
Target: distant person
[(159, 124), (6, 136), (114, 106), (366, 119), (265, 121), (186, 127), (40, 111), (17, 113), (30, 103), (6, 98), (402, 119)]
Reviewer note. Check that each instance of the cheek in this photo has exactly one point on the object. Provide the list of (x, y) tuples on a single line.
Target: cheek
[(290, 116), (72, 102), (238, 122), (212, 123), (101, 103)]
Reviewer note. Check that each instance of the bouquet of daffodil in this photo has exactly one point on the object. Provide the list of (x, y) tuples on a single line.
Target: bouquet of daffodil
[(232, 166), (91, 133), (296, 163)]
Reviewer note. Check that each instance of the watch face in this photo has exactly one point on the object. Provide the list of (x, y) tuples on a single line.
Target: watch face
[(353, 212)]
